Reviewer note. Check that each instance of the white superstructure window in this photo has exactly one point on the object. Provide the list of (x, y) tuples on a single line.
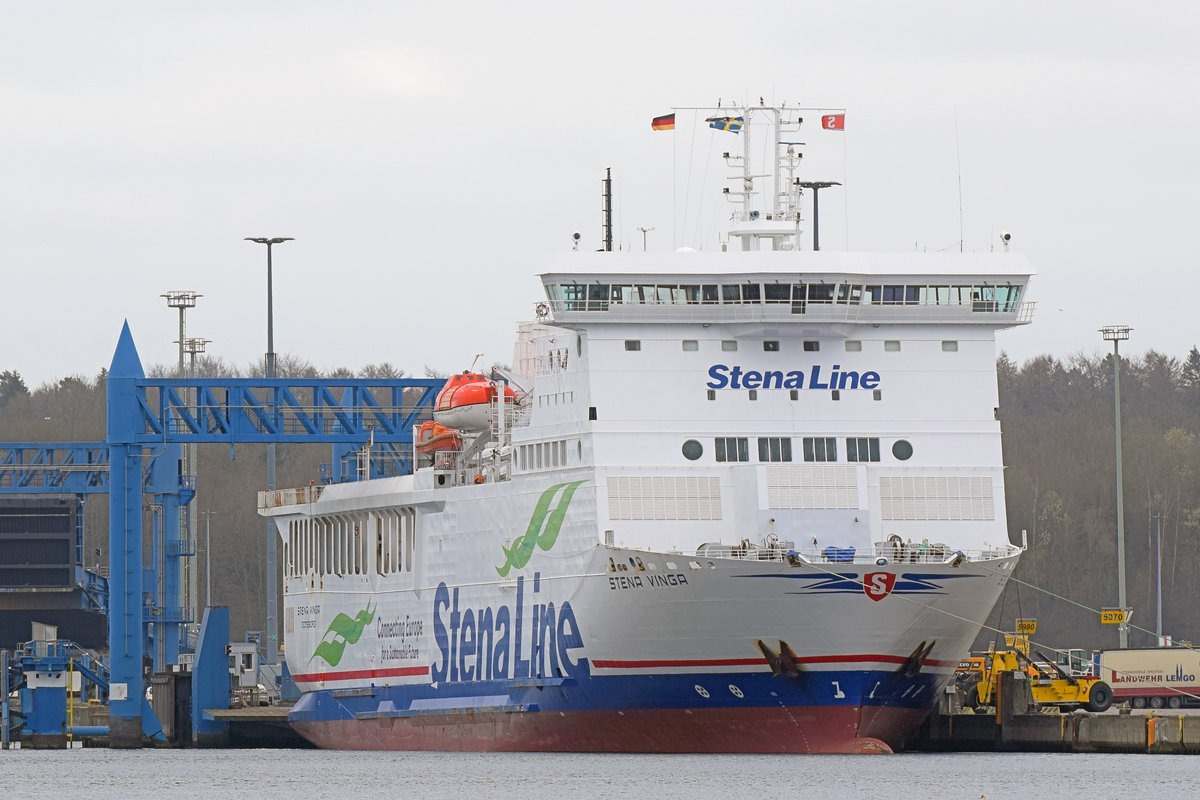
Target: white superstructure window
[(732, 448), (820, 448), (853, 346), (949, 347), (862, 448), (891, 345), (690, 345), (774, 448)]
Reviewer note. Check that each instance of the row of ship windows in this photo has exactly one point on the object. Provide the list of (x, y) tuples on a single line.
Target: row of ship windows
[(544, 455), (794, 394), (351, 544), (813, 448), (556, 398), (598, 296), (810, 345)]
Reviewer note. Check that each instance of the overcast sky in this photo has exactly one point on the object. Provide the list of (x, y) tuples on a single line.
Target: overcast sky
[(429, 158)]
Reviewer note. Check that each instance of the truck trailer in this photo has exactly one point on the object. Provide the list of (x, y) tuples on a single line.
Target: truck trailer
[(1156, 677)]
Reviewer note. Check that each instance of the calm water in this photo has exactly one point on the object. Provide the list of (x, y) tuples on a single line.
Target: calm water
[(269, 774)]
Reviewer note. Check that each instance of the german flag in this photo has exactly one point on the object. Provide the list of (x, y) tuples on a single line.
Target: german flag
[(664, 123)]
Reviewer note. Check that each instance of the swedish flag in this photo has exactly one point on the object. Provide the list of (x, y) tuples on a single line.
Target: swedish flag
[(733, 124)]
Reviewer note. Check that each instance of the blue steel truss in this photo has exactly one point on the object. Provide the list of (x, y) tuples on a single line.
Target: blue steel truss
[(159, 415), (282, 410), (54, 468)]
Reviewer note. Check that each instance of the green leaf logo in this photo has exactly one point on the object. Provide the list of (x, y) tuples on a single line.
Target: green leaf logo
[(543, 527), (346, 630)]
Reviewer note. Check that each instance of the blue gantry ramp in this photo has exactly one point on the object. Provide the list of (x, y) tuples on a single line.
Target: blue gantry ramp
[(151, 415)]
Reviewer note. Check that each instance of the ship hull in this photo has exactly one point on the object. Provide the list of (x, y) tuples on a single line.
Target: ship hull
[(797, 730), (720, 656)]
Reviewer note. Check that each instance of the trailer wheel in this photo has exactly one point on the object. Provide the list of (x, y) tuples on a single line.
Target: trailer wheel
[(1138, 702), (1156, 702), (1100, 697), (1173, 701)]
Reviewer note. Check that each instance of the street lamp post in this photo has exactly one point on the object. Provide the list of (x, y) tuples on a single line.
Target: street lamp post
[(1117, 334), (184, 300), (816, 187), (644, 231), (272, 614), (1158, 629), (192, 346)]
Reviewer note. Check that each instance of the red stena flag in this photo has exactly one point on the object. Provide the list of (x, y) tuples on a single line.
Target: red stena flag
[(833, 122), (663, 123)]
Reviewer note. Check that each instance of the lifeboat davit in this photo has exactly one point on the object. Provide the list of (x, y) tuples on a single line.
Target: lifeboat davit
[(434, 437), (465, 402)]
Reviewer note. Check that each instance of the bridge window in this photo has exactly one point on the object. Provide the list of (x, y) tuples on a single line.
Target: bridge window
[(574, 297), (777, 292), (598, 297), (820, 292)]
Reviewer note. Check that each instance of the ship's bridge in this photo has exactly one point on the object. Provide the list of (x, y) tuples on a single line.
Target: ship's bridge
[(869, 288)]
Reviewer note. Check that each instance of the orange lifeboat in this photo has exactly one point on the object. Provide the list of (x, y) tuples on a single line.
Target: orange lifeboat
[(465, 402), (434, 437)]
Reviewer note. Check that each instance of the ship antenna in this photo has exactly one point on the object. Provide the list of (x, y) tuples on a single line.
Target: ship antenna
[(958, 164), (608, 236)]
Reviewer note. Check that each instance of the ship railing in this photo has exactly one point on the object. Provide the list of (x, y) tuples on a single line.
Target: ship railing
[(277, 498), (882, 554), (992, 312)]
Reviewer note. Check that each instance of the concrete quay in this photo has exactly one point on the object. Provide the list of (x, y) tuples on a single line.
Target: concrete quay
[(1017, 725)]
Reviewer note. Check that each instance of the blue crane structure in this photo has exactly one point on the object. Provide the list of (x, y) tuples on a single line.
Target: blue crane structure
[(148, 421)]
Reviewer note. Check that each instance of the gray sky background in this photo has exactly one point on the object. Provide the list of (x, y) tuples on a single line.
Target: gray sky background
[(429, 158)]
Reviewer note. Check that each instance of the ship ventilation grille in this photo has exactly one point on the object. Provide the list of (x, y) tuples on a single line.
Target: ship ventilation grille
[(812, 487), (692, 497), (937, 497)]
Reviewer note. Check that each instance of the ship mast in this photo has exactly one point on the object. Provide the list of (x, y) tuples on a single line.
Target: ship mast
[(608, 236), (776, 221)]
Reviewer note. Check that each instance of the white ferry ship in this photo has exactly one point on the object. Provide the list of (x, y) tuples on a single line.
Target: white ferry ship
[(746, 501)]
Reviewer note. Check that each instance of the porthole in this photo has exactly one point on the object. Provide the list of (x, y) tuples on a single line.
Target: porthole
[(692, 450), (902, 450)]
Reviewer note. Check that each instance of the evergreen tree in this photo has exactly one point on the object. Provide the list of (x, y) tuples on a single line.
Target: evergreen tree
[(1189, 377), (12, 385)]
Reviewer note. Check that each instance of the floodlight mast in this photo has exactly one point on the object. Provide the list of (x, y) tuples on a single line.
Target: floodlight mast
[(272, 626), (1117, 334)]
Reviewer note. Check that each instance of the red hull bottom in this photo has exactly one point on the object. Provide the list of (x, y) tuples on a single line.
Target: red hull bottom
[(760, 730)]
